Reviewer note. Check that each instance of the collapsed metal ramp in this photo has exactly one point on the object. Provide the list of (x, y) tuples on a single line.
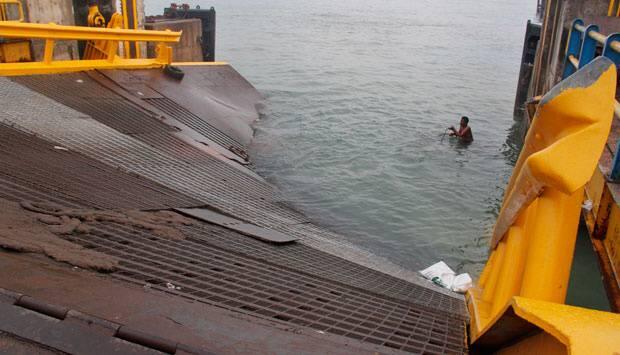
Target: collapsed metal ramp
[(86, 146)]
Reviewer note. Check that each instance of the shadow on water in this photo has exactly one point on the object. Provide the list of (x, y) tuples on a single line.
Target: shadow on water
[(514, 141), (510, 150)]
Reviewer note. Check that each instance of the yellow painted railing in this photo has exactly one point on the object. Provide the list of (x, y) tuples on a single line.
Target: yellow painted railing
[(51, 33), (534, 237)]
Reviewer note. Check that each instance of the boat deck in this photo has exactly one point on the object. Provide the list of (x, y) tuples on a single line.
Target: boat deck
[(102, 159)]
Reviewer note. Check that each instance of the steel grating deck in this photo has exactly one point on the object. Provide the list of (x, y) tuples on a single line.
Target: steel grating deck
[(293, 283), (76, 91), (122, 156), (308, 260), (207, 273), (75, 178), (212, 182)]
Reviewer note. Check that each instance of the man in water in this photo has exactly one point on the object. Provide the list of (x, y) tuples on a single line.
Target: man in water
[(464, 132)]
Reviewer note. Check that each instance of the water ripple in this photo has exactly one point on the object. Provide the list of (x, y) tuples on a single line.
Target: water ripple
[(358, 94)]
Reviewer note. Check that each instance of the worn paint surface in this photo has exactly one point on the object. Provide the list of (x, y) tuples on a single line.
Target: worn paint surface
[(534, 237), (582, 331), (189, 48)]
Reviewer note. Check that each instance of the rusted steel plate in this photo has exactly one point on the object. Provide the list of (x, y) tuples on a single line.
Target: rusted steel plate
[(217, 95), (186, 117), (46, 326), (227, 150), (251, 230), (45, 332)]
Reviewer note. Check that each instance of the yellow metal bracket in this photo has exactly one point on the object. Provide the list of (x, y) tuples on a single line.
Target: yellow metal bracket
[(52, 32), (539, 327), (95, 18)]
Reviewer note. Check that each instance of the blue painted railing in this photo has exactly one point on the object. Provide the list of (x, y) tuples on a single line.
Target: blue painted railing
[(583, 42)]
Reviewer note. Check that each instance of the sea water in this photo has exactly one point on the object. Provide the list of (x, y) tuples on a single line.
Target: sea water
[(358, 94)]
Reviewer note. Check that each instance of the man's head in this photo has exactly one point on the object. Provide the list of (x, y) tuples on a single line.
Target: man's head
[(464, 121)]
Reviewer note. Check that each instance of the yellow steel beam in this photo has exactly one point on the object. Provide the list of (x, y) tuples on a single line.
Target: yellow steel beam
[(64, 66), (565, 330), (582, 331), (61, 32)]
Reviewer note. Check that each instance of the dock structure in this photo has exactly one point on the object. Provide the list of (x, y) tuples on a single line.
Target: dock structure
[(103, 173), (565, 174), (132, 221)]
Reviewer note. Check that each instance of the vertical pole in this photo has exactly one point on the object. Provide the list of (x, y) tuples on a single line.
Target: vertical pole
[(130, 21), (112, 50), (126, 44), (542, 53), (573, 48), (588, 47), (530, 43), (609, 51), (134, 14), (211, 40), (615, 166), (48, 54)]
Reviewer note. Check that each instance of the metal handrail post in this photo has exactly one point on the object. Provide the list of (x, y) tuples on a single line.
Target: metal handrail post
[(610, 49), (612, 53), (614, 176), (588, 47), (575, 38)]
